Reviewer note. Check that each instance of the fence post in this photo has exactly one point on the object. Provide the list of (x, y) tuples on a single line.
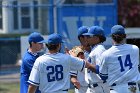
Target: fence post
[(43, 16)]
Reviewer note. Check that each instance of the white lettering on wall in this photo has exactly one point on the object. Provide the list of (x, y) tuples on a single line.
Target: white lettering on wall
[(101, 20), (88, 21), (72, 26)]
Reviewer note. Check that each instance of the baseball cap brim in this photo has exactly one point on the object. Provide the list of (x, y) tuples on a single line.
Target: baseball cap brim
[(43, 41), (87, 34)]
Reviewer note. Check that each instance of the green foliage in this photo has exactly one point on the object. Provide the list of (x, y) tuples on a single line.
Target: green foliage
[(129, 13), (71, 91), (9, 87)]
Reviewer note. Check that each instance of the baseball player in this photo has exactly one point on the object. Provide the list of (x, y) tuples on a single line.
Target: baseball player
[(83, 40), (78, 77), (51, 70), (95, 38), (120, 63), (80, 80), (36, 44)]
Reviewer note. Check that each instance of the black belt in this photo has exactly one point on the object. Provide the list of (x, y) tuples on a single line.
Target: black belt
[(129, 83), (94, 85), (65, 90)]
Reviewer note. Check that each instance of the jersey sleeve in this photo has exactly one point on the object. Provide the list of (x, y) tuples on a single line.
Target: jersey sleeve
[(73, 73), (34, 76), (76, 64), (91, 58)]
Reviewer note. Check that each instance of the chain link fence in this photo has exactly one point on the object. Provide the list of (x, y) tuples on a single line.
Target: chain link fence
[(9, 55)]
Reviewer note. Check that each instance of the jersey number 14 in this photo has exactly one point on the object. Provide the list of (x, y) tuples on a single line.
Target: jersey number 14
[(126, 63)]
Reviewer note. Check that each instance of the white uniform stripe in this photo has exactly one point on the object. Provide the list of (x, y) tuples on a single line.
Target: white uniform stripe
[(31, 82), (103, 74)]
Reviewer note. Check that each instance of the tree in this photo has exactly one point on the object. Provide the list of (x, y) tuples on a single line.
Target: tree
[(129, 13)]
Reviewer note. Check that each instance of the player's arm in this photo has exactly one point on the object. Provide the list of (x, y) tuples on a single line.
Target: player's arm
[(93, 68), (74, 79), (83, 64), (75, 82), (32, 88)]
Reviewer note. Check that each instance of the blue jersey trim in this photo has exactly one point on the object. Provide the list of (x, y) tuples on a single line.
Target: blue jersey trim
[(71, 73), (34, 83), (104, 77), (103, 74), (83, 66), (97, 69)]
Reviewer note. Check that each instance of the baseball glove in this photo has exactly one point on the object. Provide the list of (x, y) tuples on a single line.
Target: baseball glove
[(76, 50)]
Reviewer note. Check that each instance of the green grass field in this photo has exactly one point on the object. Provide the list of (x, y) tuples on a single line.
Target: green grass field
[(9, 87), (14, 88)]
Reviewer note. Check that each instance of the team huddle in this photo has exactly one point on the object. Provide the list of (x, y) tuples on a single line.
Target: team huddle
[(90, 66)]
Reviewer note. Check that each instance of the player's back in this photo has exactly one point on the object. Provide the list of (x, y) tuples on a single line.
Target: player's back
[(122, 61), (54, 71)]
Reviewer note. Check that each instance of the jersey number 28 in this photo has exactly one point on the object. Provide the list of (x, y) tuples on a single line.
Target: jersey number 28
[(54, 73), (126, 63)]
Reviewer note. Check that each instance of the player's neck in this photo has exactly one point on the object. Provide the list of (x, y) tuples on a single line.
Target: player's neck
[(53, 51), (121, 43)]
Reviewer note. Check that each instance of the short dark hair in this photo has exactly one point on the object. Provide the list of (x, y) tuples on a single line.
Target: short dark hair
[(80, 36), (118, 37), (52, 46), (102, 38), (30, 44)]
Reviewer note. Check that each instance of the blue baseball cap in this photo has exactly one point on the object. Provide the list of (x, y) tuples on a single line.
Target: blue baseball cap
[(36, 37), (117, 29), (95, 30), (82, 30), (54, 39)]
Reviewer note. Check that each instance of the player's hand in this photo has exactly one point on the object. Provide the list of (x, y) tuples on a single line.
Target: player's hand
[(75, 82), (77, 85), (72, 53)]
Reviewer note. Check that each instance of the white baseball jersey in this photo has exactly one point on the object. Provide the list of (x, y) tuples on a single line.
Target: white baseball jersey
[(81, 77), (120, 64), (51, 72), (81, 74), (94, 58), (86, 53)]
